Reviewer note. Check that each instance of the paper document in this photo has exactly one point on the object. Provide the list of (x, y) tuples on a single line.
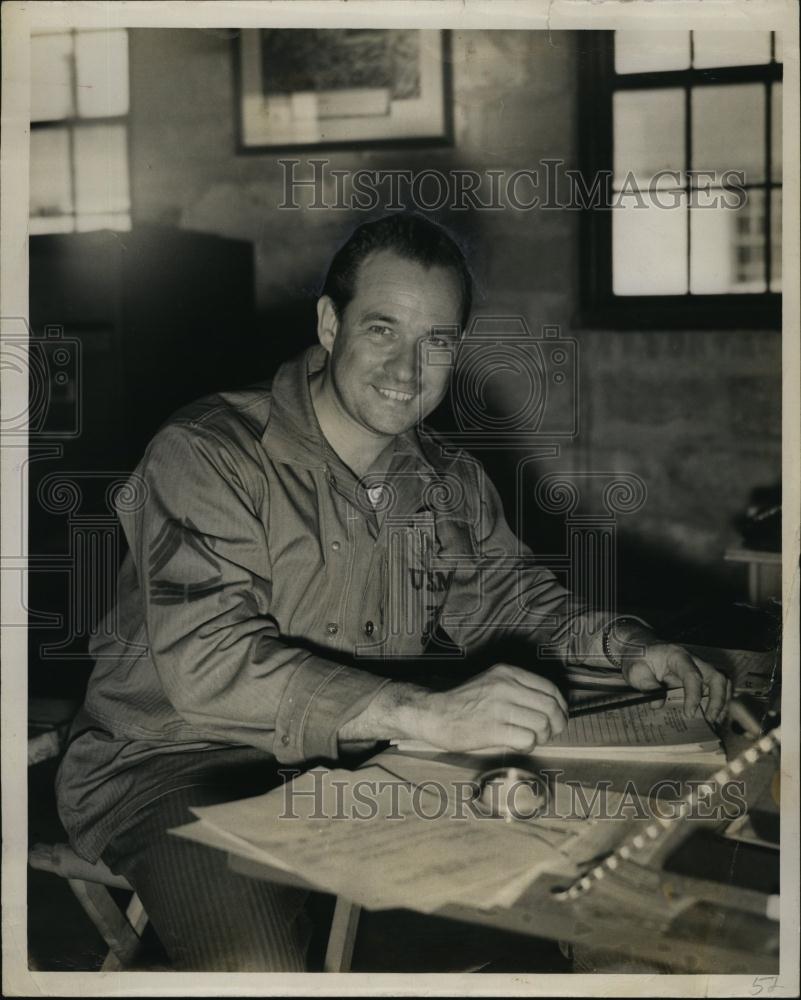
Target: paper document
[(384, 842), (650, 731), (645, 731), (751, 671)]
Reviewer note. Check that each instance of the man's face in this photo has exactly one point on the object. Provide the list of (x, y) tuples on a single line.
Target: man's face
[(380, 347)]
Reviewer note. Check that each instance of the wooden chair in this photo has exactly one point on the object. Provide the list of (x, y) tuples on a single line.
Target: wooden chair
[(121, 930)]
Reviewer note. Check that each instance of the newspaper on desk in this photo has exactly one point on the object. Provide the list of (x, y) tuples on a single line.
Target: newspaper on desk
[(387, 840)]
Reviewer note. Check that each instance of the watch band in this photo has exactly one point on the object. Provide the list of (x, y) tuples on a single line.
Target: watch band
[(607, 634)]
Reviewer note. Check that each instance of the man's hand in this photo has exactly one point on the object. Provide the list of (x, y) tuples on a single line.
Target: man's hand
[(669, 665), (504, 707)]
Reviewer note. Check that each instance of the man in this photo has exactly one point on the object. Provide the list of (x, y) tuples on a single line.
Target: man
[(276, 530)]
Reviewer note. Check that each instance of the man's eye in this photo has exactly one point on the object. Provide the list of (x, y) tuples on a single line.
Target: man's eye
[(435, 341), (381, 331)]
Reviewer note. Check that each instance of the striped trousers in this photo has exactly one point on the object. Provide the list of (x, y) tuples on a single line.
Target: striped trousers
[(207, 917)]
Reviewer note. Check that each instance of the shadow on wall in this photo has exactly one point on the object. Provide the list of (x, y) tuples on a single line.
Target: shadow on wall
[(652, 579)]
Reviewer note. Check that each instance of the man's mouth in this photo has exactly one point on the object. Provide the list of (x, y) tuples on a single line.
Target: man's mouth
[(394, 394)]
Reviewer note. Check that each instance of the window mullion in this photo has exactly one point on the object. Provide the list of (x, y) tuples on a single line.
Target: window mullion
[(768, 235), (71, 126), (688, 154)]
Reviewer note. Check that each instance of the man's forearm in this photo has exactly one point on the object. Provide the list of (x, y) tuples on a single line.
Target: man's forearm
[(398, 711)]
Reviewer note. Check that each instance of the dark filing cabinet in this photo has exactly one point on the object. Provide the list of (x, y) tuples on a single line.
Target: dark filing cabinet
[(126, 328)]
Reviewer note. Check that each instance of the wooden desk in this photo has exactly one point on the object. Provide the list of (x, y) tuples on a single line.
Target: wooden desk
[(704, 939), (709, 941)]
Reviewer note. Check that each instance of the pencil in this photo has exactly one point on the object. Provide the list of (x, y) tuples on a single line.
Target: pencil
[(609, 702)]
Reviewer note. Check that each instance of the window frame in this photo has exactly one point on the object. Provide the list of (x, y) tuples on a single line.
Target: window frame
[(71, 123), (599, 306)]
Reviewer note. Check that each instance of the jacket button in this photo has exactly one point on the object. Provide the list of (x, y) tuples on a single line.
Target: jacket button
[(285, 740), (332, 628), (335, 546), (369, 628)]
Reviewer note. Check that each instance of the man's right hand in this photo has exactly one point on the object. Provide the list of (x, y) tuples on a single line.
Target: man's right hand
[(503, 707)]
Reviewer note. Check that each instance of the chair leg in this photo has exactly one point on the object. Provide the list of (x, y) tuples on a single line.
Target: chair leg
[(136, 915), (120, 934), (112, 963), (342, 937)]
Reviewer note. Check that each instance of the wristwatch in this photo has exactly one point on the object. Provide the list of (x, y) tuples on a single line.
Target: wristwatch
[(607, 634)]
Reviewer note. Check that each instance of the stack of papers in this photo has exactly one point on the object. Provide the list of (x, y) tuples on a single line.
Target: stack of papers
[(646, 732), (384, 842)]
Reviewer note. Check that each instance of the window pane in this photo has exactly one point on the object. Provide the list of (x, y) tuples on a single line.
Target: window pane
[(730, 48), (727, 245), (51, 192), (776, 240), (649, 250), (776, 132), (643, 51), (51, 77), (728, 127), (102, 65), (101, 169), (51, 224), (648, 135)]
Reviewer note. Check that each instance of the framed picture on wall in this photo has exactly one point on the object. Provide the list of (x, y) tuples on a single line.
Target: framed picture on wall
[(318, 87)]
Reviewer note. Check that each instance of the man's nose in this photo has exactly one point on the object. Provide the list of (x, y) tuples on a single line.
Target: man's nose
[(404, 365)]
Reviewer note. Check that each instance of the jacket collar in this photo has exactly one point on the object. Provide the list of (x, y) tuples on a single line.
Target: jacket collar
[(292, 434)]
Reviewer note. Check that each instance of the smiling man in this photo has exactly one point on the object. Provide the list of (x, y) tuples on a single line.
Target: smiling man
[(377, 325), (277, 561)]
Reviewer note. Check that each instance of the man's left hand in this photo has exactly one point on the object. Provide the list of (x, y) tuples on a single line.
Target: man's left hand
[(663, 664)]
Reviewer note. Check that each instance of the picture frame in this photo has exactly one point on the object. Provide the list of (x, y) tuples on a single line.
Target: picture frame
[(376, 87)]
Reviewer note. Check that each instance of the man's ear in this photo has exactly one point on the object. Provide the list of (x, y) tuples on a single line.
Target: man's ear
[(327, 322)]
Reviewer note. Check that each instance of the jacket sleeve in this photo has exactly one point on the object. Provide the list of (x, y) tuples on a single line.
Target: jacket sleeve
[(200, 546), (501, 589)]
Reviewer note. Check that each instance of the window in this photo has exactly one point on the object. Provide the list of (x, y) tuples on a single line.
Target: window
[(684, 128), (79, 131)]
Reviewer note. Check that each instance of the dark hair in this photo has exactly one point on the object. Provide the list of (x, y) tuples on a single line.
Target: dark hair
[(406, 234)]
